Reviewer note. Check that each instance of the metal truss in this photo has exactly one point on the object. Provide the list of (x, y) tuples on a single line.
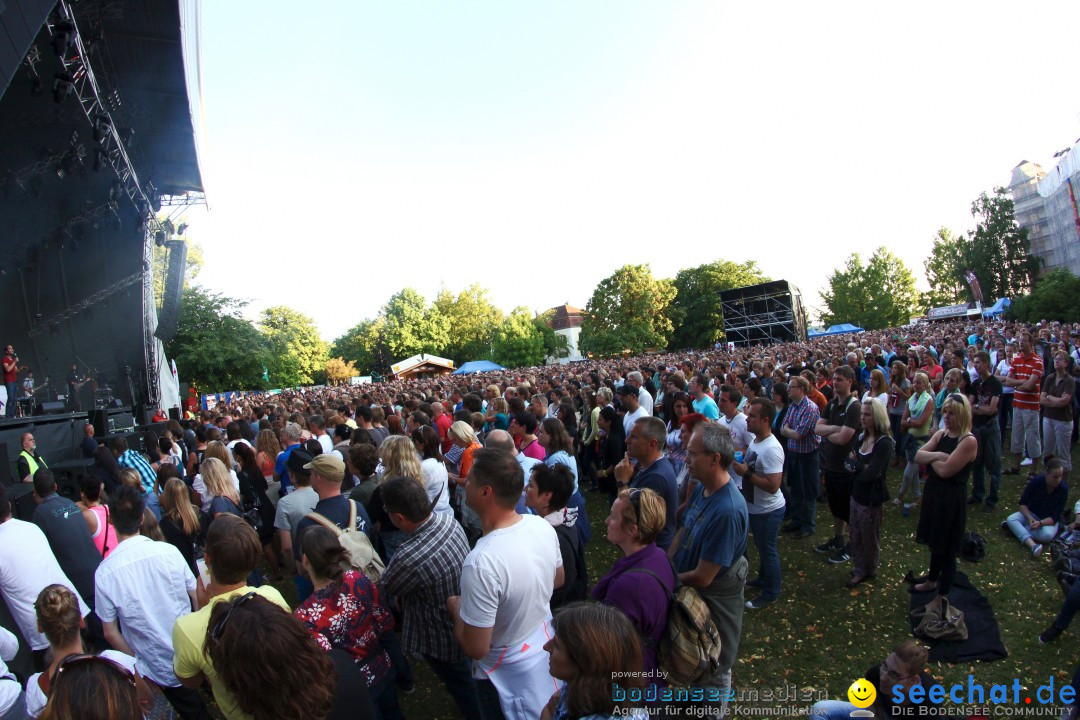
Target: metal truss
[(54, 320)]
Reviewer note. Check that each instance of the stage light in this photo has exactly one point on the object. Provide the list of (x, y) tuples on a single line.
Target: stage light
[(180, 230), (63, 85), (102, 128), (63, 36), (159, 238)]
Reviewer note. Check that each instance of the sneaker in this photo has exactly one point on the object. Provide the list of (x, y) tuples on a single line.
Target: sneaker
[(1004, 524), (1047, 636), (839, 557), (758, 603), (1025, 462), (831, 545), (1037, 549)]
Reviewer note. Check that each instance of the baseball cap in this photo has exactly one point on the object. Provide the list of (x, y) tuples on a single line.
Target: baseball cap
[(327, 465)]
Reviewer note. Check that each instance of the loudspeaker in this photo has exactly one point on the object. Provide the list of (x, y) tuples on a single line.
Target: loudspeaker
[(174, 414), (5, 466), (50, 408), (100, 422), (169, 317)]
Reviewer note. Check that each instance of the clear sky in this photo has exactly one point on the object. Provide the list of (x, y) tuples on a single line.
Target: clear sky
[(359, 147)]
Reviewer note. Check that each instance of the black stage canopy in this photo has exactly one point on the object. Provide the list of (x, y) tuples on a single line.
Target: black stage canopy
[(98, 131)]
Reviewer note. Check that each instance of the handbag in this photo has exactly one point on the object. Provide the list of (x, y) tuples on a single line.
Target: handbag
[(941, 621)]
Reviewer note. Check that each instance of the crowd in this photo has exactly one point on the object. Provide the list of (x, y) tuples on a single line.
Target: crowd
[(444, 521)]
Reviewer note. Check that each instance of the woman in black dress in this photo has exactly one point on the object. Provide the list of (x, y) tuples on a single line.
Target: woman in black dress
[(948, 457)]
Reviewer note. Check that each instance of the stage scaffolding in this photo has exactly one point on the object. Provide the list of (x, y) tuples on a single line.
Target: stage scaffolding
[(770, 312)]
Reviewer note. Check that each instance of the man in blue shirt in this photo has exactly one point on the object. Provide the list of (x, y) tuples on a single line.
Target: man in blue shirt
[(645, 444), (708, 550), (293, 432), (701, 401)]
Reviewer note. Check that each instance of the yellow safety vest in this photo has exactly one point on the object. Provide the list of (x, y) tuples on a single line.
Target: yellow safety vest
[(32, 463)]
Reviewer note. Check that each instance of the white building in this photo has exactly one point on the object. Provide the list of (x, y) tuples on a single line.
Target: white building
[(1047, 205), (567, 322)]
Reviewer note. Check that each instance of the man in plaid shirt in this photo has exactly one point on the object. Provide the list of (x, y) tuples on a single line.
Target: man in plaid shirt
[(802, 449), (131, 459), (424, 572)]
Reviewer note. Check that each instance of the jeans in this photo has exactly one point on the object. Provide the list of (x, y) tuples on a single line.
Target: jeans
[(391, 540), (391, 643), (458, 679), (897, 432), (490, 707), (831, 710), (1018, 524), (988, 459), (804, 483), (1025, 433), (766, 527), (1004, 412), (1057, 441), (12, 403), (384, 696), (1069, 608), (187, 703)]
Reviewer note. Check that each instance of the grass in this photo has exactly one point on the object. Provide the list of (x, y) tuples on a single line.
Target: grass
[(821, 636)]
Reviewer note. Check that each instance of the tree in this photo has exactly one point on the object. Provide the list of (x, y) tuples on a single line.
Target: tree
[(695, 312), (300, 355), (360, 345), (338, 371), (627, 311), (472, 321), (944, 270), (518, 342), (412, 327), (877, 295), (1055, 297), (214, 347), (998, 250)]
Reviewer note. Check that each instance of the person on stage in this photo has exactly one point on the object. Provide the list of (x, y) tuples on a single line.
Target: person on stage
[(11, 369), (74, 382)]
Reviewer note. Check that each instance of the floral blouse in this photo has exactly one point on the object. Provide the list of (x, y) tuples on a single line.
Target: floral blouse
[(348, 615)]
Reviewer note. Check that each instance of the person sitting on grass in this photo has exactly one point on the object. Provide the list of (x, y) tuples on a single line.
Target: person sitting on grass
[(1041, 505), (903, 668)]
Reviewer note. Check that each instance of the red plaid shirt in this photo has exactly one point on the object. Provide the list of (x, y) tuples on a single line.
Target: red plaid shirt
[(801, 417)]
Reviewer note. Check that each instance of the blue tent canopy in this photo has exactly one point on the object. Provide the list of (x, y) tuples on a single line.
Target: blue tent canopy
[(998, 307), (841, 329), (475, 366)]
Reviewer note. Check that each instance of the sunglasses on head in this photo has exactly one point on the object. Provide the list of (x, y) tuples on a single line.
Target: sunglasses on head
[(219, 629)]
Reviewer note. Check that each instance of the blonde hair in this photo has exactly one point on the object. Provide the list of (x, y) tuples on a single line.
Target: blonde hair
[(150, 527), (58, 614), (131, 478), (961, 408), (877, 382), (218, 480), (217, 449), (650, 517), (882, 427), (925, 379), (462, 432), (399, 458), (176, 502)]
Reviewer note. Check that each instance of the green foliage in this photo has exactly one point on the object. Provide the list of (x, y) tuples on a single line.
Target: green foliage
[(555, 346), (998, 250), (338, 371), (299, 354), (1055, 297), (695, 312), (628, 311), (412, 327), (214, 347), (518, 342), (471, 322), (364, 345), (877, 295), (944, 270)]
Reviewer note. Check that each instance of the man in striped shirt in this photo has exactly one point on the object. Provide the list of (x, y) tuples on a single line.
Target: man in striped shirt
[(1026, 377), (128, 458)]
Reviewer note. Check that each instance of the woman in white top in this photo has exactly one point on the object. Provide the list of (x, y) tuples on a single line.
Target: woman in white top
[(12, 704), (879, 388), (433, 469), (59, 618), (214, 449)]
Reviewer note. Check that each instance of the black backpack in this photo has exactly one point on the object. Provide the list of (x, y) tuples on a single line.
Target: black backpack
[(974, 547)]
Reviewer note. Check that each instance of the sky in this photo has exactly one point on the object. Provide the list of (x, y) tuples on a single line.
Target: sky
[(356, 148)]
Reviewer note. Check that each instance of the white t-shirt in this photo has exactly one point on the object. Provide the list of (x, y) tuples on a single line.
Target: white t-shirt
[(766, 457), (632, 417), (145, 584), (27, 566), (645, 400), (36, 700), (737, 427), (326, 442), (9, 686), (1003, 368), (883, 397), (437, 483), (506, 582)]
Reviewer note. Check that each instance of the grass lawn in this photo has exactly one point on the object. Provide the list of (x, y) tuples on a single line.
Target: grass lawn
[(820, 636)]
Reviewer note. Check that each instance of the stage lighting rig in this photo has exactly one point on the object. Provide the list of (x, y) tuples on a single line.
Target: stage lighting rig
[(102, 128), (63, 85), (63, 36)]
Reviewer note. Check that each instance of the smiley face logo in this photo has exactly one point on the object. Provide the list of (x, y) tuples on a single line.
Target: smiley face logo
[(862, 693)]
